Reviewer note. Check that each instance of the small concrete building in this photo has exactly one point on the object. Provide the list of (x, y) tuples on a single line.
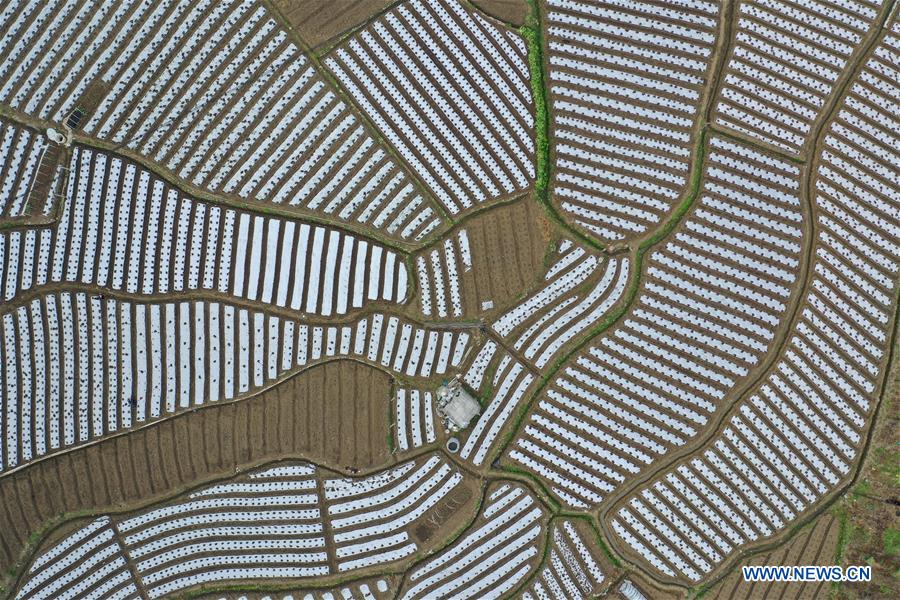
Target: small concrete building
[(55, 136), (456, 406)]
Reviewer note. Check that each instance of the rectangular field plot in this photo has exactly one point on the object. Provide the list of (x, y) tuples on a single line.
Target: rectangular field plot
[(626, 83), (217, 93), (450, 91)]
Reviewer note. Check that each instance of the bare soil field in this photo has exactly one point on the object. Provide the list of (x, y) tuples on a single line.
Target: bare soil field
[(816, 544), (320, 21), (509, 11), (493, 259), (306, 416), (250, 528), (340, 412), (508, 249)]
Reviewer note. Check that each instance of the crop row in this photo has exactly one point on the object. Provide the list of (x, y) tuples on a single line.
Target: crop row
[(570, 569), (214, 91), (494, 555), (511, 381), (578, 290), (77, 367), (20, 154), (712, 299), (450, 90), (414, 416), (626, 81), (796, 437), (373, 588), (440, 276), (124, 229), (281, 522), (785, 60)]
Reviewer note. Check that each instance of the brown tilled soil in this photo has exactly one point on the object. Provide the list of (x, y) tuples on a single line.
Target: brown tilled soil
[(318, 21), (816, 544), (430, 529), (508, 247), (89, 101), (335, 414), (392, 581), (42, 194), (448, 519), (872, 506), (510, 11), (342, 410), (590, 538)]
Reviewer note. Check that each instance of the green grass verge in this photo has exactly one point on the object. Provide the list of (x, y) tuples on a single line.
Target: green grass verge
[(553, 504), (532, 34), (531, 31), (534, 39), (607, 551)]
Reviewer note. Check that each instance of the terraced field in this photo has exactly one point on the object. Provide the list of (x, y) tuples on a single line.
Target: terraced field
[(273, 522), (711, 300), (383, 299), (228, 103), (816, 544), (626, 86), (466, 77), (795, 436)]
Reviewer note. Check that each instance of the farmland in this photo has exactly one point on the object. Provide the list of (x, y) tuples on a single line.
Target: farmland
[(383, 299)]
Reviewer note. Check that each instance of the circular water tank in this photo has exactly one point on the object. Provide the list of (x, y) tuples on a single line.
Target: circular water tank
[(453, 445)]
